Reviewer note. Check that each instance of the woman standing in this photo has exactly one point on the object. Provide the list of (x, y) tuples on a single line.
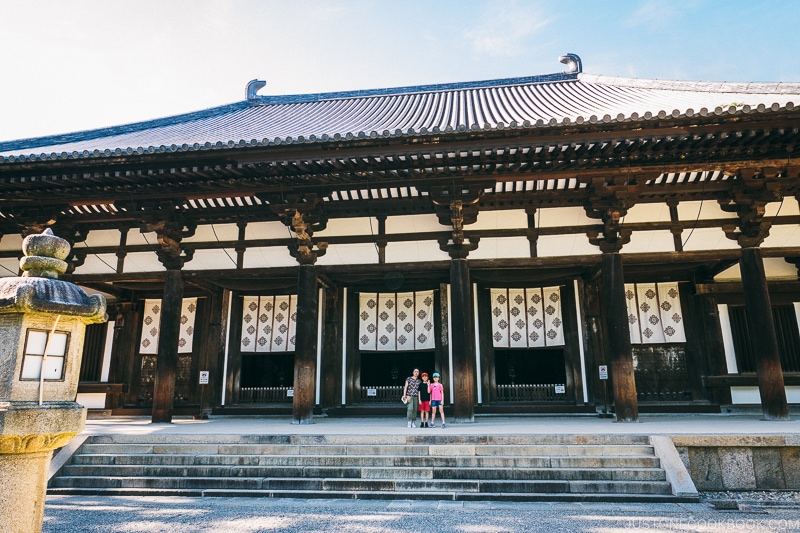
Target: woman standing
[(411, 397)]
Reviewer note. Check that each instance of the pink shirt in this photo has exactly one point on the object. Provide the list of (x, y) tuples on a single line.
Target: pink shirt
[(437, 391)]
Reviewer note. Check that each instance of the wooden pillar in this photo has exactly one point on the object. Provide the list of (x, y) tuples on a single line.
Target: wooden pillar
[(619, 341), (463, 338), (212, 352), (333, 337), (764, 342), (168, 337), (305, 355), (709, 348)]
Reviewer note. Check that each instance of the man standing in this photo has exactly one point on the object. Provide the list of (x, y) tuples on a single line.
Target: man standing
[(411, 397)]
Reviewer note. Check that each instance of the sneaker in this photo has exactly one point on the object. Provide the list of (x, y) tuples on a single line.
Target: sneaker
[(409, 424), (444, 425), (432, 425), (413, 425)]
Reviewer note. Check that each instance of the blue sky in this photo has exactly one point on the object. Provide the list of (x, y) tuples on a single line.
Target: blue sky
[(84, 64)]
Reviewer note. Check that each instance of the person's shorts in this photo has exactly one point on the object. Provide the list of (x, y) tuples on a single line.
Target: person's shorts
[(424, 406), (436, 403)]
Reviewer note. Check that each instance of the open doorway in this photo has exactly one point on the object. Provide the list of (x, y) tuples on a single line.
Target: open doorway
[(384, 373)]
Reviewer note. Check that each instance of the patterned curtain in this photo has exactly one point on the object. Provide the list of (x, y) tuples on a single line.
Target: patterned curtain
[(654, 313), (527, 318), (396, 321), (151, 324), (268, 324)]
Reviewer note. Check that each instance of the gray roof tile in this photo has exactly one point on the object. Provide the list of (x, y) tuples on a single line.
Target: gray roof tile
[(533, 102)]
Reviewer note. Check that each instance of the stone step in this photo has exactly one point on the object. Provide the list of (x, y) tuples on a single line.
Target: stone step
[(421, 438), (476, 473), (592, 450), (414, 466), (378, 495), (359, 485), (576, 461)]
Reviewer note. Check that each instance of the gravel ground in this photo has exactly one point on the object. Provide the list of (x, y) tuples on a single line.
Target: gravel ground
[(95, 514)]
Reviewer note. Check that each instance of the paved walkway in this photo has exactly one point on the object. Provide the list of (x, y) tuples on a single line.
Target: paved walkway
[(98, 514), (683, 424)]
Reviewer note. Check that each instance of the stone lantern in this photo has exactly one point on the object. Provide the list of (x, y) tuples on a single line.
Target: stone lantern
[(42, 325)]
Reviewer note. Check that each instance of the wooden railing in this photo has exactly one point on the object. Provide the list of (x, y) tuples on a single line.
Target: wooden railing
[(384, 394), (264, 395), (530, 393)]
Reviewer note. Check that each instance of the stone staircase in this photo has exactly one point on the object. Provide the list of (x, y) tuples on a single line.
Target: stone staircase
[(444, 467)]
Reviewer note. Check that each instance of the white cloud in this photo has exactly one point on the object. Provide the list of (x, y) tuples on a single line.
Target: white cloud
[(506, 27)]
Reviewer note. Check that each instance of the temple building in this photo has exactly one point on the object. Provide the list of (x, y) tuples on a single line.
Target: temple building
[(564, 243)]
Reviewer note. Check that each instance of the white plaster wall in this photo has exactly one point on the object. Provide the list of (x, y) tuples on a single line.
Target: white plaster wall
[(142, 262), (205, 233), (657, 212), (688, 211), (136, 237), (212, 260), (405, 252), (266, 230), (502, 247), (414, 224), (92, 400), (349, 226), (561, 245), (511, 219), (94, 264), (780, 236), (9, 267), (103, 237), (705, 239), (268, 256), (649, 241), (350, 254), (775, 268), (11, 242), (562, 216), (750, 395)]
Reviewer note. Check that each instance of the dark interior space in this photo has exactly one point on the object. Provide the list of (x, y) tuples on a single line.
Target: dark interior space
[(268, 370), (530, 366), (380, 369)]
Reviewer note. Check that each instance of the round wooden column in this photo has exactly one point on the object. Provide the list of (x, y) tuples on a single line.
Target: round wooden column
[(619, 341), (763, 339), (305, 355), (168, 337), (463, 342)]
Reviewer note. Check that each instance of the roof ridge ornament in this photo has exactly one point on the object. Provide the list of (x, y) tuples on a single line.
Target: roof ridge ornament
[(253, 86), (573, 63)]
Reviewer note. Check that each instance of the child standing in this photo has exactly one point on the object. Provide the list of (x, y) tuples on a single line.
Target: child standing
[(424, 401), (437, 399)]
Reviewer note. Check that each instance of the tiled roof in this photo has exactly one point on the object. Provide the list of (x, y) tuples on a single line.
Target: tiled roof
[(533, 102)]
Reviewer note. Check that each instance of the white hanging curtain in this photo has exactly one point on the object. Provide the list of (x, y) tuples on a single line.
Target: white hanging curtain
[(536, 336), (649, 315), (268, 324), (671, 315), (151, 326), (527, 318), (188, 312), (424, 338), (368, 321), (654, 313), (249, 324), (151, 323), (500, 333), (553, 323), (517, 324), (391, 322), (633, 314)]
